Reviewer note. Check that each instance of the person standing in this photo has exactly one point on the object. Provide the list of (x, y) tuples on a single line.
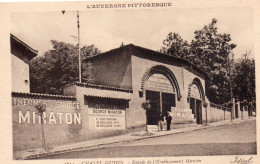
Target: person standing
[(160, 121), (168, 120)]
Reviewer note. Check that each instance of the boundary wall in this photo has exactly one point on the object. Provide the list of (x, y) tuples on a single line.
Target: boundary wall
[(65, 121)]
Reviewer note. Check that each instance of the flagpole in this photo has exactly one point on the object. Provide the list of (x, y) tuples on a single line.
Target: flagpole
[(79, 47), (63, 12)]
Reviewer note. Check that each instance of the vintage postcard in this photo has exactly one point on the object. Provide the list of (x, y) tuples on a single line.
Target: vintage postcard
[(130, 82)]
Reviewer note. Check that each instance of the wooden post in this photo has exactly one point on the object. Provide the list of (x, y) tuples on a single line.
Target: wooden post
[(224, 111), (146, 121), (234, 108), (243, 107), (206, 115), (238, 107)]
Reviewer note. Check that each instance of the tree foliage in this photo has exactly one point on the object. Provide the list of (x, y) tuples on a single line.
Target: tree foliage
[(244, 79), (209, 50), (174, 45), (59, 66), (212, 51)]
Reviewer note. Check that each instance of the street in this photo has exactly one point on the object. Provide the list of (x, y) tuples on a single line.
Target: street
[(235, 139)]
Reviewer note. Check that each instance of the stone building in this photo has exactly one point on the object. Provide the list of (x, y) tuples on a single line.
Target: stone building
[(127, 76), (21, 55)]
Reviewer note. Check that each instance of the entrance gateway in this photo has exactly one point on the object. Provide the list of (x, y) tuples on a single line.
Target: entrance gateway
[(196, 102), (161, 93)]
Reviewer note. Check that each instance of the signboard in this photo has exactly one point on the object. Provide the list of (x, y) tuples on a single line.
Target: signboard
[(160, 83), (194, 92), (181, 113), (106, 118)]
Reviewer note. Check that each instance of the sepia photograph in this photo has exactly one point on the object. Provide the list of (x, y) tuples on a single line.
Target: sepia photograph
[(133, 79)]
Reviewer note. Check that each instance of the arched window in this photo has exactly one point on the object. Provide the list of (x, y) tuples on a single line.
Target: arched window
[(159, 82), (196, 97), (159, 69), (161, 88)]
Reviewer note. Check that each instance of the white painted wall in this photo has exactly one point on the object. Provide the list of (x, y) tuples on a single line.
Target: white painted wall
[(20, 73), (139, 67)]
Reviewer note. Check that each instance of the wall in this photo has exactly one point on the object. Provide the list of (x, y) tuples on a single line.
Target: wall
[(20, 73), (66, 121), (69, 90), (217, 114), (113, 70), (242, 111)]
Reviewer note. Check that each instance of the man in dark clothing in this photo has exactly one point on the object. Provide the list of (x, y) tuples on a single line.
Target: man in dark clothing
[(168, 120)]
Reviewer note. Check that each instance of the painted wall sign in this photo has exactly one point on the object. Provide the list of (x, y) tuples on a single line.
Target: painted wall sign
[(68, 112), (160, 83), (49, 103), (181, 113), (64, 122), (31, 117), (106, 118)]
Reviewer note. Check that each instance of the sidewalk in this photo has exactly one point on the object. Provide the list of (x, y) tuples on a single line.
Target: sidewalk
[(91, 144)]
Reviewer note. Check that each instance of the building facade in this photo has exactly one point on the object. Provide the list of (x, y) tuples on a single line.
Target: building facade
[(21, 54), (138, 74)]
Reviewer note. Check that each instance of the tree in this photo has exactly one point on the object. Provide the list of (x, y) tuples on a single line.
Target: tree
[(59, 66), (41, 108), (174, 45), (146, 105), (244, 80), (209, 50), (212, 51)]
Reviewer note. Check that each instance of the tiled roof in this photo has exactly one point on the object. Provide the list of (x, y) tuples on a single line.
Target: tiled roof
[(42, 95), (32, 51), (101, 87), (94, 90), (104, 87), (114, 94), (151, 53), (109, 97)]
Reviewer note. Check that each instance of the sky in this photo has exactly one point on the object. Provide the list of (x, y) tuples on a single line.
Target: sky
[(107, 29)]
